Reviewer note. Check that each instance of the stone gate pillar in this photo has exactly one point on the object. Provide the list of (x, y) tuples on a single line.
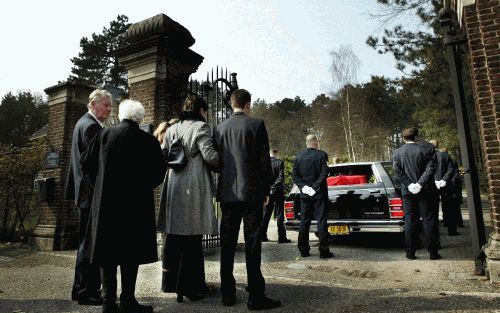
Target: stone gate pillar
[(58, 225), (159, 63), (480, 21)]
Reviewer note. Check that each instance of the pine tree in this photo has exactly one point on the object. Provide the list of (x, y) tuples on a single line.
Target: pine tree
[(96, 63)]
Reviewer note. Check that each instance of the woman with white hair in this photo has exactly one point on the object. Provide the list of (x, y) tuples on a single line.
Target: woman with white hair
[(189, 203), (128, 164)]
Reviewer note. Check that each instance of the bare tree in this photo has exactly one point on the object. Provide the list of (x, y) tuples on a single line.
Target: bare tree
[(344, 68)]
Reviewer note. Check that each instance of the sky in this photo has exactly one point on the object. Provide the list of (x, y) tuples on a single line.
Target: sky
[(278, 48)]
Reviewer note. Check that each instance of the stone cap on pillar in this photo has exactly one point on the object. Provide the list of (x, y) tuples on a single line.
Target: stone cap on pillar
[(69, 91), (159, 26)]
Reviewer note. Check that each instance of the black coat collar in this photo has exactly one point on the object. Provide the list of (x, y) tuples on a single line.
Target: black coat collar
[(129, 122)]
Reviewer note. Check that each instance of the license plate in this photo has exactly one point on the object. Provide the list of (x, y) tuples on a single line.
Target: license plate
[(338, 230)]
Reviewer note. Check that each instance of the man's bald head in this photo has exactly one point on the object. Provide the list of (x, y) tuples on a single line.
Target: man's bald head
[(312, 141)]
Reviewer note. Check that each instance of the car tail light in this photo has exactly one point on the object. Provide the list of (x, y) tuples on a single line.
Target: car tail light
[(396, 208), (289, 213)]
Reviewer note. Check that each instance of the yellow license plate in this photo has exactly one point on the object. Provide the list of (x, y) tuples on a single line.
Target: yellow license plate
[(339, 230)]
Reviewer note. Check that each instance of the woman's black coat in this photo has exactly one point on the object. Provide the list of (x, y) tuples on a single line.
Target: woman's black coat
[(128, 164)]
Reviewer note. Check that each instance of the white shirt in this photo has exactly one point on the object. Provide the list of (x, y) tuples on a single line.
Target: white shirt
[(100, 123)]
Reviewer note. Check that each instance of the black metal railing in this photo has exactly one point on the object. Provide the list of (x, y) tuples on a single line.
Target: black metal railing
[(216, 90)]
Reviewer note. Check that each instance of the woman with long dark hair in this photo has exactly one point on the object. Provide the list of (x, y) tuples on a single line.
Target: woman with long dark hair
[(189, 209)]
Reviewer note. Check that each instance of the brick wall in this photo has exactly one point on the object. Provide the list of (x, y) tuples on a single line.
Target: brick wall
[(481, 22), (58, 222)]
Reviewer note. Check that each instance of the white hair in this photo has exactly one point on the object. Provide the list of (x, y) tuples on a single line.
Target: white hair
[(131, 110), (312, 141), (96, 96)]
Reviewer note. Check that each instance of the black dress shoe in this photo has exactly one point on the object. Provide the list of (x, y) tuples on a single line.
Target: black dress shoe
[(410, 255), (265, 239), (435, 256), (90, 301), (134, 307), (228, 300), (326, 255), (110, 308), (263, 303), (304, 254), (196, 297), (284, 240)]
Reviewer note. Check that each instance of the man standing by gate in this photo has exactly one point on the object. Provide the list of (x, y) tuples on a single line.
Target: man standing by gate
[(414, 167), (87, 277), (276, 199), (245, 175)]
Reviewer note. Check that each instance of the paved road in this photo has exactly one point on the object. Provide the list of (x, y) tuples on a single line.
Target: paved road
[(368, 274)]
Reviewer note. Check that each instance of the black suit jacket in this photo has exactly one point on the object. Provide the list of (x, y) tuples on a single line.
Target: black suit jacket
[(310, 168), (445, 169), (245, 166), (77, 188), (278, 176), (413, 164)]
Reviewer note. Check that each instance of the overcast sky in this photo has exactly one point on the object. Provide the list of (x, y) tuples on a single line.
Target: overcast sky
[(279, 48)]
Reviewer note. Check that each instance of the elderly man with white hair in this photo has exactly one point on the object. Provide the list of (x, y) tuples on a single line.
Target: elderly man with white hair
[(309, 174), (87, 280), (128, 164)]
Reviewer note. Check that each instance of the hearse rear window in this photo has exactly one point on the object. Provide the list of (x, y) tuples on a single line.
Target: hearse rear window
[(350, 175)]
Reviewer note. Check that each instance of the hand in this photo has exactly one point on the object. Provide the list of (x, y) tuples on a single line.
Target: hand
[(308, 191), (438, 185), (311, 192), (414, 188), (418, 188), (266, 200)]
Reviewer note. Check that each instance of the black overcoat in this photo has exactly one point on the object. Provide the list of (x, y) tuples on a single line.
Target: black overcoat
[(128, 164)]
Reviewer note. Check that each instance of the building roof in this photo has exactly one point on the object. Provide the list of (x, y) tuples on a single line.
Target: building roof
[(42, 132)]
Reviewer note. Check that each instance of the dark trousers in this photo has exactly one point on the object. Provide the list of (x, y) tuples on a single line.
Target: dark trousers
[(310, 207), (418, 206), (277, 205), (87, 281), (450, 218), (128, 279), (183, 265), (232, 214)]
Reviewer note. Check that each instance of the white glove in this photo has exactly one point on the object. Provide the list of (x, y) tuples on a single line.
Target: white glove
[(438, 185), (308, 191), (442, 183), (414, 188)]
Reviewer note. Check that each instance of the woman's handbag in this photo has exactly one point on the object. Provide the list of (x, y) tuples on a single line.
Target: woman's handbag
[(176, 157)]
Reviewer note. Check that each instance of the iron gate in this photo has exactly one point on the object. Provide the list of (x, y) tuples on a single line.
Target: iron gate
[(216, 91)]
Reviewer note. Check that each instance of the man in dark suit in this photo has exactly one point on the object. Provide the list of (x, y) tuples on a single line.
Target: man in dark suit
[(125, 164), (87, 280), (456, 187), (309, 173), (442, 178), (276, 199), (245, 176), (414, 167)]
